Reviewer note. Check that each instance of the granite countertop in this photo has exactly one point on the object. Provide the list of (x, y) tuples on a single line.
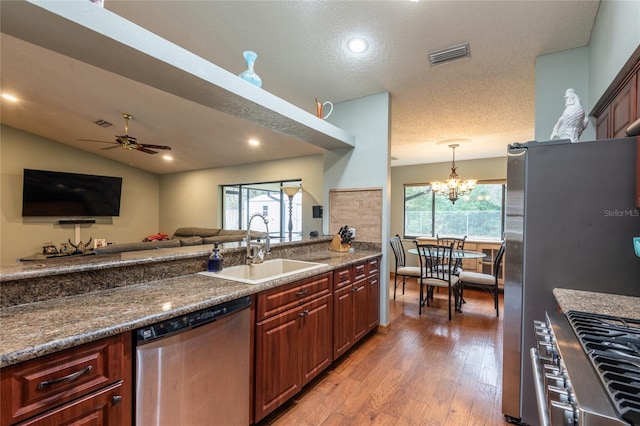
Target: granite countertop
[(92, 262), (40, 328), (598, 303)]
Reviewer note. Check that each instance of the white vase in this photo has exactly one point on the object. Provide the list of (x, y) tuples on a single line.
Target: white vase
[(249, 74)]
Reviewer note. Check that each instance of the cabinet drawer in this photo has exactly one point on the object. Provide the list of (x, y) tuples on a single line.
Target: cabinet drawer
[(373, 265), (103, 407), (342, 277), (360, 271), (31, 387), (280, 299)]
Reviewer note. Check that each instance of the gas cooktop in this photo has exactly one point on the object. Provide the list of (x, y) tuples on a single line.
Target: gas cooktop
[(613, 346)]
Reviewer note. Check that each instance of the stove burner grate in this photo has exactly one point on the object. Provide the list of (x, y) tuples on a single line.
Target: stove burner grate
[(613, 346)]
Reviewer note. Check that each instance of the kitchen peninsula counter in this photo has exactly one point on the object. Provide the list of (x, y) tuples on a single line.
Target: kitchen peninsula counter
[(38, 328), (598, 303)]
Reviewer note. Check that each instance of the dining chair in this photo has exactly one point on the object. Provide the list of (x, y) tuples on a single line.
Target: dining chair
[(458, 244), (435, 263), (401, 270), (487, 282)]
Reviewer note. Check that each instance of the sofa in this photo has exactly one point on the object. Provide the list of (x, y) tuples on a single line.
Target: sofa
[(188, 236)]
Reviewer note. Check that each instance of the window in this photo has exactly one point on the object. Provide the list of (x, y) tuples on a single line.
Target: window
[(239, 202), (479, 215)]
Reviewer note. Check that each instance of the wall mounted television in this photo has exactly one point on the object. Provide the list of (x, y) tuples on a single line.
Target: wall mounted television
[(49, 193)]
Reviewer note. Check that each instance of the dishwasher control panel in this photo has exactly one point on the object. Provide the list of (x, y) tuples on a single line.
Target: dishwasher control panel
[(192, 320)]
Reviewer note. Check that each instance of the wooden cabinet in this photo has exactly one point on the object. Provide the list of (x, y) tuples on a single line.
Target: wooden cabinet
[(619, 106), (293, 340), (373, 294), (621, 111), (356, 304), (87, 384)]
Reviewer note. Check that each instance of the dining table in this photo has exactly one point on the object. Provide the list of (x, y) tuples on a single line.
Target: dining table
[(458, 253)]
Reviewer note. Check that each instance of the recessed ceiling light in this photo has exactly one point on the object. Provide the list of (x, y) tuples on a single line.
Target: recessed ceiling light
[(9, 97), (254, 142), (167, 157), (357, 45)]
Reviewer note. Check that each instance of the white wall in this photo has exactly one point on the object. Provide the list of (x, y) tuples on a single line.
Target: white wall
[(365, 166), (21, 237), (195, 199), (615, 36), (555, 73)]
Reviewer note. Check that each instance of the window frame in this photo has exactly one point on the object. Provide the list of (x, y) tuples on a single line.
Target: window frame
[(501, 182), (282, 199)]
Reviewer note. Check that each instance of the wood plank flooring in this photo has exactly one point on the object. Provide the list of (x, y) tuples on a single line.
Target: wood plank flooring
[(421, 370)]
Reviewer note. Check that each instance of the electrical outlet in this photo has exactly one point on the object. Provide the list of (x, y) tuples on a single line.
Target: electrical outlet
[(352, 231)]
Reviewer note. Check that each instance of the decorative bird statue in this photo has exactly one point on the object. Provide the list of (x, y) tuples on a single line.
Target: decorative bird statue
[(572, 121)]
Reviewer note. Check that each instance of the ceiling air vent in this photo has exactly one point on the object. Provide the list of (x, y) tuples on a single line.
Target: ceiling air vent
[(450, 54), (103, 123)]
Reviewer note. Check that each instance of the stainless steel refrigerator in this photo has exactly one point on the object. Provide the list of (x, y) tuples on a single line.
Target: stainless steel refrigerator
[(571, 217)]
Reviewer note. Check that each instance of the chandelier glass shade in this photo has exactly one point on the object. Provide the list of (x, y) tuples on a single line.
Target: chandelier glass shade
[(453, 187)]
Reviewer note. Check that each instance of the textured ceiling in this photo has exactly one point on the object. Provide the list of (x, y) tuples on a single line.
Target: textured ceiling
[(488, 98)]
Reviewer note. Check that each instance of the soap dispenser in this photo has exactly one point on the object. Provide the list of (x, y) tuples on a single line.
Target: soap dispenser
[(215, 263)]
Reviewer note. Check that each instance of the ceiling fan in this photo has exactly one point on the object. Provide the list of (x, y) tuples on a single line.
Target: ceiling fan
[(129, 142)]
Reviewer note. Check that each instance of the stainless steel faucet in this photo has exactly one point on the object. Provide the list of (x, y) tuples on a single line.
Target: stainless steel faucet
[(256, 251)]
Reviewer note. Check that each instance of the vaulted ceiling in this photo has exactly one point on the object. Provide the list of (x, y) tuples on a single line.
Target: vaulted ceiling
[(487, 98)]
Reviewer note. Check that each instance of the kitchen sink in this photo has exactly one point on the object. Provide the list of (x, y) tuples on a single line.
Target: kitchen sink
[(265, 271)]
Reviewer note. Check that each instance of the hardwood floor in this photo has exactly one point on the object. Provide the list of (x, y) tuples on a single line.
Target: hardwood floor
[(421, 370)]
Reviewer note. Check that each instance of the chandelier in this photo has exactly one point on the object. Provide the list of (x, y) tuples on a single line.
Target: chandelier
[(454, 188)]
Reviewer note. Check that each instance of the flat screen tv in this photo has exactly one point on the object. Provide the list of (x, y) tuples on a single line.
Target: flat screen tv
[(48, 193)]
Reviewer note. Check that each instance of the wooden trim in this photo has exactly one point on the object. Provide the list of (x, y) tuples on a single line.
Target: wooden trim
[(628, 70), (378, 188)]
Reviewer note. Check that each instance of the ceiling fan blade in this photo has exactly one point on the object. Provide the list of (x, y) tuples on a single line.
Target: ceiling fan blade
[(93, 140), (146, 145), (143, 149)]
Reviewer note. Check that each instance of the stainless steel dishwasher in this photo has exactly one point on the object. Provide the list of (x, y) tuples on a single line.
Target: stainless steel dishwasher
[(194, 370)]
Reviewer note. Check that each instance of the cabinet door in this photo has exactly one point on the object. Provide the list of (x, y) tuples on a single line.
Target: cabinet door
[(278, 361), (342, 320), (623, 109), (373, 303), (360, 309), (99, 408), (317, 345)]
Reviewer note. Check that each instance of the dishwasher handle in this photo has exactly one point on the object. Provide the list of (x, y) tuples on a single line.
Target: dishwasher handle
[(195, 319)]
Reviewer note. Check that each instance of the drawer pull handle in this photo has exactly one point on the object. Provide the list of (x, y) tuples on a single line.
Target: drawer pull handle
[(303, 313), (302, 292), (64, 379), (116, 399)]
